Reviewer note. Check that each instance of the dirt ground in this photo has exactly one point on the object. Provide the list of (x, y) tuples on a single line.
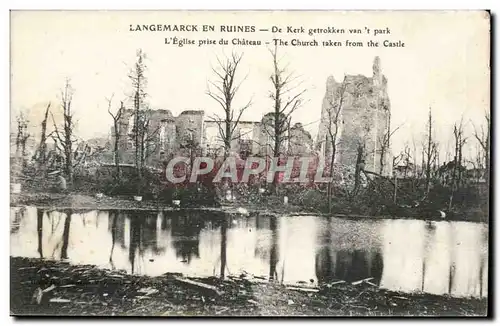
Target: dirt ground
[(62, 289), (86, 202), (77, 201)]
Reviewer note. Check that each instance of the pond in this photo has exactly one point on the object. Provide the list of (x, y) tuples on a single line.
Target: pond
[(438, 257)]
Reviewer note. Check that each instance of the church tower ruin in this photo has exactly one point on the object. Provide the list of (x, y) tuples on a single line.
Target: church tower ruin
[(363, 122)]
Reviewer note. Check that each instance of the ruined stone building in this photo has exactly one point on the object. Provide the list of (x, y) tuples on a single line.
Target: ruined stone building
[(300, 140), (191, 133), (244, 136), (294, 141), (363, 121)]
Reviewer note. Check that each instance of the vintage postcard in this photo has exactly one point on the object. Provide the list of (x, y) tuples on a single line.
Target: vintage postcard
[(249, 163)]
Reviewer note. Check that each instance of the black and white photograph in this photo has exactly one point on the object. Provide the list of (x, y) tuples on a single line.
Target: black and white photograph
[(204, 163)]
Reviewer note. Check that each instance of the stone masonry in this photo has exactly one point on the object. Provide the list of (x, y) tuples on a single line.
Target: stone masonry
[(363, 120)]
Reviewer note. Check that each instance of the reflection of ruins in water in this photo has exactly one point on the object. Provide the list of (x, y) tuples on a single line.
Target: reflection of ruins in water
[(402, 255), (338, 258)]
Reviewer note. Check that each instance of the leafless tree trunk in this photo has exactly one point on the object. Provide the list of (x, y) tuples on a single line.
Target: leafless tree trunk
[(139, 81), (42, 148), (456, 179), (360, 165), (192, 146), (287, 97), (223, 90), (22, 137), (65, 137), (395, 161), (333, 127), (385, 144), (148, 140), (483, 138), (116, 130), (429, 152)]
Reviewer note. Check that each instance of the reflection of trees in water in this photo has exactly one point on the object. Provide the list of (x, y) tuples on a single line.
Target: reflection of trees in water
[(145, 228), (324, 264), (142, 235), (65, 239), (482, 267), (451, 271), (323, 261), (149, 236), (135, 239), (39, 228), (262, 246), (55, 220), (16, 223), (348, 265), (117, 219), (273, 258), (263, 222), (113, 219), (186, 230), (266, 246), (430, 233), (223, 247), (358, 264)]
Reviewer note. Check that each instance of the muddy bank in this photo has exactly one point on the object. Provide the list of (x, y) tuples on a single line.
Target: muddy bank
[(87, 202), (78, 201), (62, 289)]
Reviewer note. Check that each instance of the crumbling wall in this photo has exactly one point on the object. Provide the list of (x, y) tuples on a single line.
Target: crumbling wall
[(301, 142), (323, 144), (363, 120), (189, 132)]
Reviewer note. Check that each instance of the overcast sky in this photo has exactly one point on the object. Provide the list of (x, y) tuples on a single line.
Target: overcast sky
[(444, 64)]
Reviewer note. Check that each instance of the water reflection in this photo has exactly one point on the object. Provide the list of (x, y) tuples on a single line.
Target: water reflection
[(402, 255), (348, 252)]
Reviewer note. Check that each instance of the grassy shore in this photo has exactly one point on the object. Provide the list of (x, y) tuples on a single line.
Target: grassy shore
[(89, 291)]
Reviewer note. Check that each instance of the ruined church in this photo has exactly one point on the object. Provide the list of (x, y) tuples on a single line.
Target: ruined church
[(355, 121)]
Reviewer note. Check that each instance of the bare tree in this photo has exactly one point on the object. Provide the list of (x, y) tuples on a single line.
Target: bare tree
[(476, 161), (429, 152), (148, 136), (361, 150), (396, 160), (456, 178), (64, 138), (287, 97), (360, 166), (223, 90), (116, 131), (191, 145), (384, 141), (407, 157), (333, 128), (42, 147), (483, 137), (139, 82), (22, 137)]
